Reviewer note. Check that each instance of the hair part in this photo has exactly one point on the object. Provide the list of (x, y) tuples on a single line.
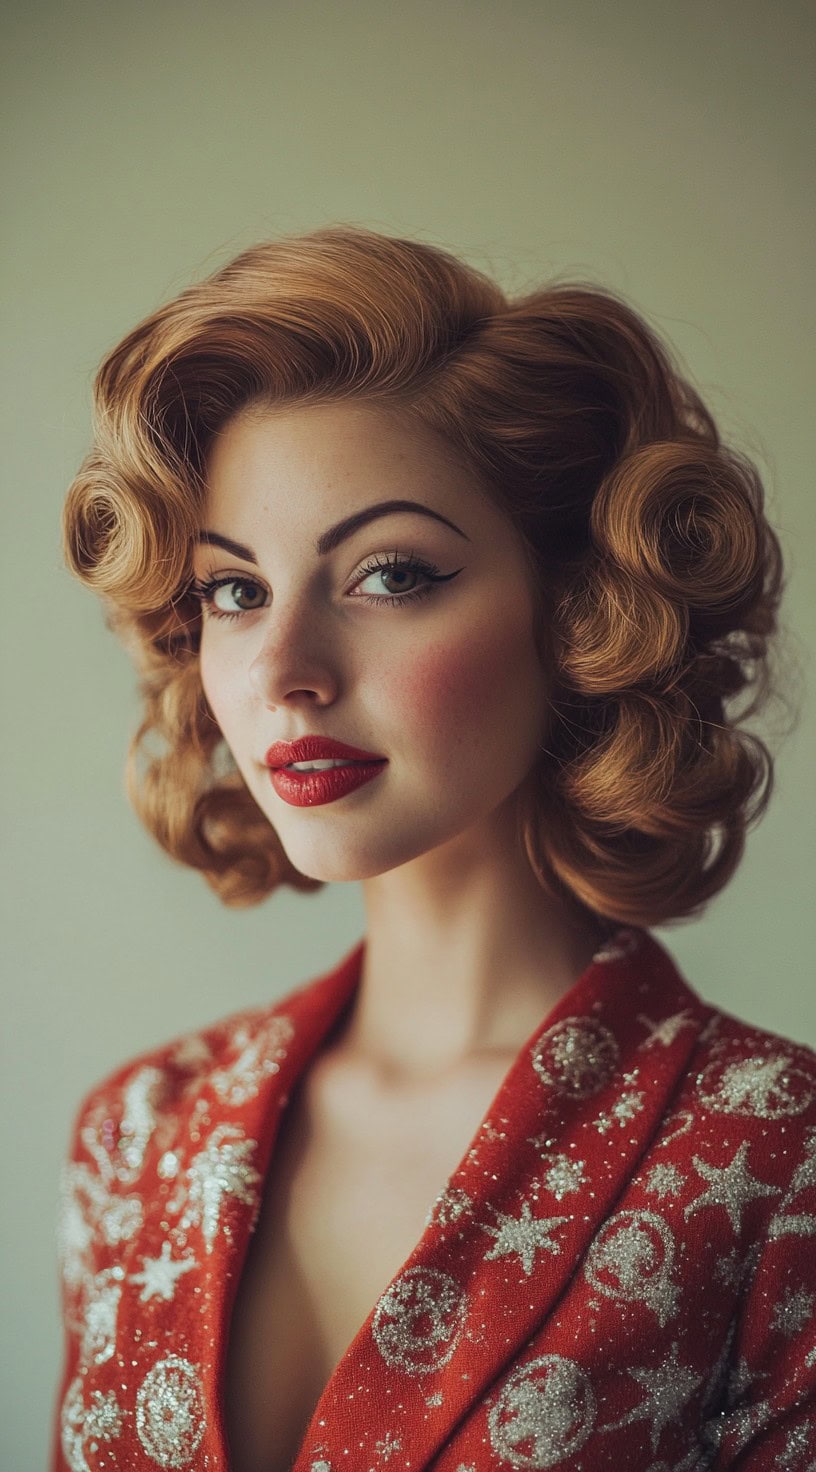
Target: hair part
[(658, 575)]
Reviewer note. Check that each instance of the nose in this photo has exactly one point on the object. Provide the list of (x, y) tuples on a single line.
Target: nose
[(294, 661)]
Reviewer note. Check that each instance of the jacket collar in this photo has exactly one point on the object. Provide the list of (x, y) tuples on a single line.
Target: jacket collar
[(563, 1135)]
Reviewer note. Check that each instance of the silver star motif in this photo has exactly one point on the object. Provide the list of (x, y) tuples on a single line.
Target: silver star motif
[(797, 1442), (665, 1180), (740, 1382), (525, 1235), (562, 1175), (731, 1187), (666, 1031), (387, 1446), (793, 1311), (731, 1403), (627, 1106), (541, 1142), (629, 1103), (729, 1269), (741, 1388), (104, 1419), (450, 1204), (160, 1273), (668, 1389), (805, 1174)]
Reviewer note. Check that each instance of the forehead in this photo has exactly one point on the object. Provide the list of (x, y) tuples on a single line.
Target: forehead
[(332, 455)]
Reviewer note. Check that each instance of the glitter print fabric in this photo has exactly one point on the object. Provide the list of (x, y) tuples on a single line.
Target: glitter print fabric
[(621, 1272)]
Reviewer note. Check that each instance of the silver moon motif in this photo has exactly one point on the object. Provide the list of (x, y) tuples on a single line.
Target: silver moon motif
[(769, 1087), (418, 1320), (546, 1411), (577, 1056), (631, 1260), (170, 1416)]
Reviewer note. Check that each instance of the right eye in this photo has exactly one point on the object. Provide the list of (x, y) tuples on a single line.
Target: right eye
[(216, 594)]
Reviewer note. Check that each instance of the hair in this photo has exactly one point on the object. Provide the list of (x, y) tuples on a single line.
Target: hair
[(658, 576)]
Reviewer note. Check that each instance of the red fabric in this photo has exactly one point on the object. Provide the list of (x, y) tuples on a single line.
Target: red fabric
[(620, 1273)]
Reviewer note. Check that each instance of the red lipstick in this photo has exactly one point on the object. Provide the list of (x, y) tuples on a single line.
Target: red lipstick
[(316, 748), (311, 789)]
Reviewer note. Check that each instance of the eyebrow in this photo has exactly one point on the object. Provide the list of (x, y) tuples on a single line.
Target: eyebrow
[(338, 533)]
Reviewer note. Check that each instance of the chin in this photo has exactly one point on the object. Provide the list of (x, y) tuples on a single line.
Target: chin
[(348, 867), (351, 856)]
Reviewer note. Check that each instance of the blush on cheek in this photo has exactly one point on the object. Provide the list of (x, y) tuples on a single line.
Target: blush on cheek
[(451, 687)]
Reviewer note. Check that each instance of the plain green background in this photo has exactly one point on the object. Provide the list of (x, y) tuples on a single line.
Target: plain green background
[(658, 149)]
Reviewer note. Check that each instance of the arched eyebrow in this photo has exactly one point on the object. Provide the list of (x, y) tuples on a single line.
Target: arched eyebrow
[(338, 533)]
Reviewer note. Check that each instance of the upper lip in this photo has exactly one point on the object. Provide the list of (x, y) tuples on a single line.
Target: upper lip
[(315, 748)]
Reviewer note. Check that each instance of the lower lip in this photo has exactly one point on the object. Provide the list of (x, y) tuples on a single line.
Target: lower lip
[(310, 789)]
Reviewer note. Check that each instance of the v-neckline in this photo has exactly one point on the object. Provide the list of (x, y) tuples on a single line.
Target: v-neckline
[(341, 988)]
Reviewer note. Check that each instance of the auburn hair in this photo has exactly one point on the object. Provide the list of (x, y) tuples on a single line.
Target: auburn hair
[(659, 576)]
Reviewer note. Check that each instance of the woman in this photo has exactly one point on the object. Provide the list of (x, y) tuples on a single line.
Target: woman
[(456, 596)]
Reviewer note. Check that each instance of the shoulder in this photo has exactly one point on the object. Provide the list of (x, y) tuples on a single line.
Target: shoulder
[(229, 1059), (733, 1077), (732, 1167), (223, 1065), (742, 1072), (139, 1128), (230, 1056)]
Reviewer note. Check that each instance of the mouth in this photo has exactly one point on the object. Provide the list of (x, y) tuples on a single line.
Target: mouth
[(311, 784), (324, 766), (317, 752)]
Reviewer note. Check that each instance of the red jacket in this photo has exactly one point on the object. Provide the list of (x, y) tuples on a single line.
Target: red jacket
[(621, 1272)]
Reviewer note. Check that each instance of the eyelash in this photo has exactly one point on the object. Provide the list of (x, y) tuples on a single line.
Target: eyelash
[(205, 591)]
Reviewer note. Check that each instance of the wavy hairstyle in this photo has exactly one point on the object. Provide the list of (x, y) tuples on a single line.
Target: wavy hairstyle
[(659, 576)]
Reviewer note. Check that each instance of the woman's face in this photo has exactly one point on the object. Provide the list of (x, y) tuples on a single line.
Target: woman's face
[(445, 685)]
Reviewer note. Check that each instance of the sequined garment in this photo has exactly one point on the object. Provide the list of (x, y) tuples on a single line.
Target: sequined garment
[(620, 1274)]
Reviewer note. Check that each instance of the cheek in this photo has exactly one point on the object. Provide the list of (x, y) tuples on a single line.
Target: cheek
[(451, 692), (215, 682)]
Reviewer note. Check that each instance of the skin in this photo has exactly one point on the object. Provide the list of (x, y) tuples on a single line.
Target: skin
[(465, 954)]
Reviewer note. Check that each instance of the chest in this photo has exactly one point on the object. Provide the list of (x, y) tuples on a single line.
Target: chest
[(353, 1178)]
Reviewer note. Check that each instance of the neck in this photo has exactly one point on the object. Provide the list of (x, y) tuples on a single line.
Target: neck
[(465, 955)]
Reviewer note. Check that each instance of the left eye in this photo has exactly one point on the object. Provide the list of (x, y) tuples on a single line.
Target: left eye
[(399, 573), (398, 568)]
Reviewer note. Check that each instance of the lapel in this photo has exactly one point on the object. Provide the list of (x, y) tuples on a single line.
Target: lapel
[(581, 1103), (181, 1141), (164, 1190)]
